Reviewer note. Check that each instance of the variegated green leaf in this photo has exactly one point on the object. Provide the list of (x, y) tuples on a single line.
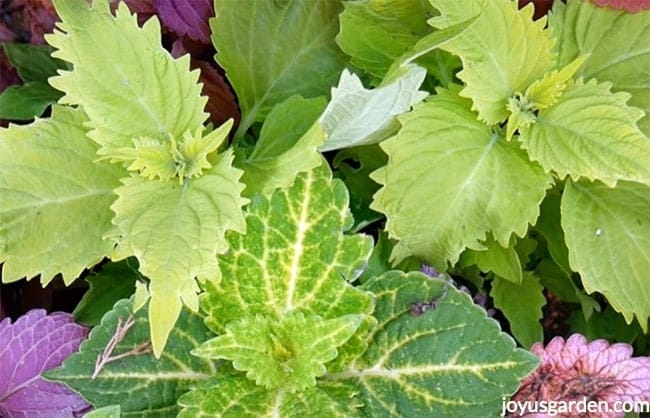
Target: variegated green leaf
[(294, 257), (55, 198), (129, 375), (232, 395), (434, 353), (288, 353)]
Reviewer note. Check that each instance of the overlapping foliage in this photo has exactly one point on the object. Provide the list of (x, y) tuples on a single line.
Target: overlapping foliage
[(508, 152)]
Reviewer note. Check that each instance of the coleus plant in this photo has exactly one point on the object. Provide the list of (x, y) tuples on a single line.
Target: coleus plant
[(127, 167)]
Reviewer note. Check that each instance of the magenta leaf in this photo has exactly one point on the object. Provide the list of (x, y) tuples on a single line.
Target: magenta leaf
[(37, 342), (632, 6), (186, 17), (574, 370)]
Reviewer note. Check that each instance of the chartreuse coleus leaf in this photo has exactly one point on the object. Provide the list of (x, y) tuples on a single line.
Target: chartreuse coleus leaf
[(232, 395), (502, 261), (374, 33), (272, 50), (359, 116), (293, 257), (590, 132), (450, 180), (111, 411), (449, 361), (55, 198), (127, 83), (521, 304), (129, 375), (498, 60), (613, 40), (607, 231), (176, 230), (288, 353), (288, 145)]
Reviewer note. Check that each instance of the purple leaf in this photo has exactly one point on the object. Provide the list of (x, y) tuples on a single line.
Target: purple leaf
[(186, 17), (37, 342)]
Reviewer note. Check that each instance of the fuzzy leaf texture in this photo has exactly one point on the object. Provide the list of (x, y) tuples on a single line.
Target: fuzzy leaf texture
[(374, 33), (449, 181), (127, 83), (448, 361), (288, 145), (521, 304), (37, 342), (272, 50), (359, 116), (615, 43), (591, 133), (140, 384), (501, 59), (55, 198), (287, 353), (176, 230), (607, 232), (293, 257), (235, 396)]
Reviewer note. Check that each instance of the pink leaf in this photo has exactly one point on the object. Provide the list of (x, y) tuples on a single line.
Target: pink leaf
[(37, 342), (631, 6)]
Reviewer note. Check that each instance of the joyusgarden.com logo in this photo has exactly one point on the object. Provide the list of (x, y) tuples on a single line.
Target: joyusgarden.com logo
[(583, 406)]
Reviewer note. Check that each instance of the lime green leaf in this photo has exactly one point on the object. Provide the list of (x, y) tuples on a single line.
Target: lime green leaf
[(288, 145), (176, 230), (33, 62), (449, 181), (591, 133), (234, 396), (112, 411), (358, 116), (272, 50), (290, 352), (294, 256), (499, 59), (374, 33), (450, 361), (26, 101), (614, 41), (608, 234), (115, 281), (547, 90), (522, 306), (142, 385), (55, 198), (548, 224), (127, 83), (504, 262)]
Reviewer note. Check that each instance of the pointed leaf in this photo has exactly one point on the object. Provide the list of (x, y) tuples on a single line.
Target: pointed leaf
[(613, 39), (608, 234), (522, 306), (142, 385), (291, 50), (176, 230), (504, 262), (359, 116), (33, 62), (127, 83), (55, 198), (232, 395), (294, 257), (502, 52), (27, 101), (450, 361), (33, 344), (591, 133), (288, 353), (185, 17), (482, 183), (288, 145)]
